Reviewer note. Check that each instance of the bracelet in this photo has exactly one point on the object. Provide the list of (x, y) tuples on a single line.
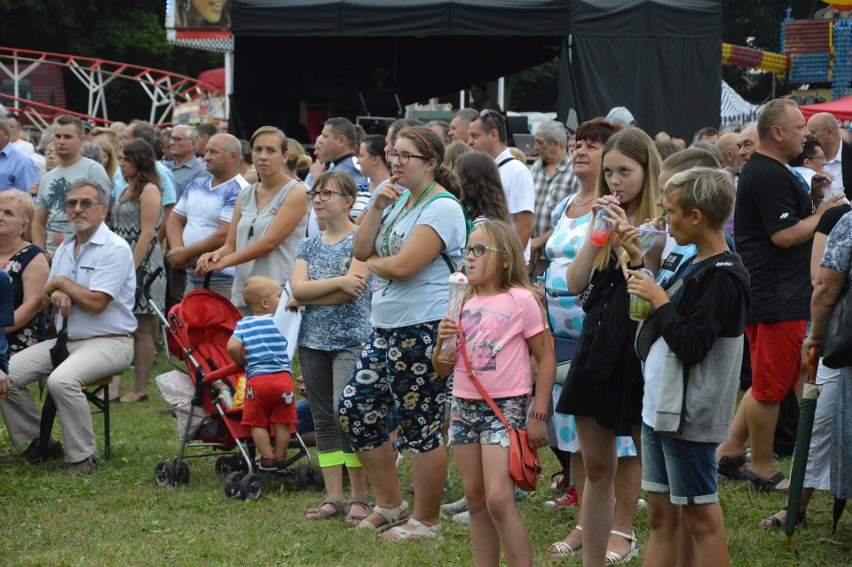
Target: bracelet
[(539, 415)]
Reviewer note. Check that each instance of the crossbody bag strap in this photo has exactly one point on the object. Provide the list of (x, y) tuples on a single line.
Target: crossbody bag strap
[(475, 380)]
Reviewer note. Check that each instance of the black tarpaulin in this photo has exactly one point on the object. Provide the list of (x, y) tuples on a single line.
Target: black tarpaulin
[(661, 59)]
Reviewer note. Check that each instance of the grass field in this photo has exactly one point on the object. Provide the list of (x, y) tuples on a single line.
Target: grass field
[(121, 517)]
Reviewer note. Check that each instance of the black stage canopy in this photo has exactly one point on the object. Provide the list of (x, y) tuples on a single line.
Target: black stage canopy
[(661, 59)]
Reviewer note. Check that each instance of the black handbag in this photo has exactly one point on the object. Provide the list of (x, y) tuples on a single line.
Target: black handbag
[(837, 347), (142, 275)]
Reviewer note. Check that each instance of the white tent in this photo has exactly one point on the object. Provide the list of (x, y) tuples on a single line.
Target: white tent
[(736, 110)]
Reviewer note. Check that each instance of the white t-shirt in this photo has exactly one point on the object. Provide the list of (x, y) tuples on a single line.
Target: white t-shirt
[(518, 187)]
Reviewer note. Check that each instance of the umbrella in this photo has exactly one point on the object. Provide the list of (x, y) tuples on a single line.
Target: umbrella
[(803, 444), (58, 354)]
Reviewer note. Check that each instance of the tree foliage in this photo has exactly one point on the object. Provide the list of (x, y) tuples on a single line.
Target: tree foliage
[(117, 30)]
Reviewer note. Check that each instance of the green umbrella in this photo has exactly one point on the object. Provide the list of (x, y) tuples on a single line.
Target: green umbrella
[(803, 444)]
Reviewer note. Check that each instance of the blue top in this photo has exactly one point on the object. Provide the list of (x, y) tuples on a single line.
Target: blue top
[(7, 317), (265, 346), (333, 327), (167, 182), (16, 170)]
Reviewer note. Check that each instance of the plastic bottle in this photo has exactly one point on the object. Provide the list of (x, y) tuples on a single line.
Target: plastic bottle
[(458, 283), (225, 396)]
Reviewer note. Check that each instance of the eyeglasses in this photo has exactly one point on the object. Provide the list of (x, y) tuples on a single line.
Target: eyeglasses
[(85, 203), (478, 250), (488, 113), (404, 157), (178, 139), (323, 195)]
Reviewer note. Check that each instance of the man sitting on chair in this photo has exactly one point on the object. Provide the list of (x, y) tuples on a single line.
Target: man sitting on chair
[(92, 282)]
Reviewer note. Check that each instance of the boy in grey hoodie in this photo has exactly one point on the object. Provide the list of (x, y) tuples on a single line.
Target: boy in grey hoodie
[(692, 345)]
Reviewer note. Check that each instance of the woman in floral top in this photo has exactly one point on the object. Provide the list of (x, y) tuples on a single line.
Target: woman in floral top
[(26, 265)]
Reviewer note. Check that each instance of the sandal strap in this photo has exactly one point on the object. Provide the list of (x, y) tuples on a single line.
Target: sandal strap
[(562, 548), (628, 537)]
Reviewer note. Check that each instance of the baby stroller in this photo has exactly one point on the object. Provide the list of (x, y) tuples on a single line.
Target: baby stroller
[(197, 331)]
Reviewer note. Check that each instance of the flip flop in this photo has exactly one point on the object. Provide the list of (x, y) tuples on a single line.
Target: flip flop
[(760, 484)]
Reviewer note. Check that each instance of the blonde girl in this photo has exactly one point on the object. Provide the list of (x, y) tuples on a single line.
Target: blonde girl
[(604, 387), (503, 323)]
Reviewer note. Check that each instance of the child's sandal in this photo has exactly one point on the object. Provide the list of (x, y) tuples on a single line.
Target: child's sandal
[(323, 514), (391, 516), (353, 520)]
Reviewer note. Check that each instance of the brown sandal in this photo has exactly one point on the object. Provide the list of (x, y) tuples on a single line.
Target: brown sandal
[(323, 514)]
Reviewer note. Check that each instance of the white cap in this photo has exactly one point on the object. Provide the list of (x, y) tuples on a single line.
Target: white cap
[(621, 114)]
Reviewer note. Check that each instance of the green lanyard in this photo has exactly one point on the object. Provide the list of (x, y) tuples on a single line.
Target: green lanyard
[(398, 218)]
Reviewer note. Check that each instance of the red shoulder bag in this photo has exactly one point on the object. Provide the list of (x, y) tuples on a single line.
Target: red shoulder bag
[(524, 466)]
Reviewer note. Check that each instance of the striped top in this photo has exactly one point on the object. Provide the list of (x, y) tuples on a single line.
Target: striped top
[(265, 346)]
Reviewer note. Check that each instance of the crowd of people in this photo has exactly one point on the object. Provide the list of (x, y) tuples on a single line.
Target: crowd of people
[(726, 241)]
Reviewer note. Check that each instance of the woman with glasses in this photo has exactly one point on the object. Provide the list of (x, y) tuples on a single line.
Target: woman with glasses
[(136, 217), (269, 222), (411, 240), (811, 161)]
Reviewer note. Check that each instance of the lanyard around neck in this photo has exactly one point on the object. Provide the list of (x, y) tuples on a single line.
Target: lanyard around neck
[(404, 214)]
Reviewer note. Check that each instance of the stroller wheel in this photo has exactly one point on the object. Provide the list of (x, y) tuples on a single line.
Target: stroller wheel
[(250, 487), (232, 484), (319, 481), (225, 465), (181, 472), (302, 481), (164, 473)]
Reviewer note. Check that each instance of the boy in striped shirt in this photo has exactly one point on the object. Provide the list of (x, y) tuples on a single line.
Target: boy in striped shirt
[(258, 345)]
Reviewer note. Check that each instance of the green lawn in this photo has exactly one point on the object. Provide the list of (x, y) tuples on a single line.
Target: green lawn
[(121, 517)]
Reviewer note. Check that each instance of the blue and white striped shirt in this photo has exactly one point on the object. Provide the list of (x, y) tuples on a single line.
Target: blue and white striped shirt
[(265, 346)]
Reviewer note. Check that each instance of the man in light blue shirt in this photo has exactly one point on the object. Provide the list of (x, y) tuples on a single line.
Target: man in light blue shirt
[(16, 169)]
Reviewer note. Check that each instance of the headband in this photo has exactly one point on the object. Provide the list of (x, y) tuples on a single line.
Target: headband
[(428, 147)]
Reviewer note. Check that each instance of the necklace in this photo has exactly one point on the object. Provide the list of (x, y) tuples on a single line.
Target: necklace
[(405, 213), (586, 203)]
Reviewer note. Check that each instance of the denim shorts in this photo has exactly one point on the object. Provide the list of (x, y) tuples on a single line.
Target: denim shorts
[(684, 469), (473, 421)]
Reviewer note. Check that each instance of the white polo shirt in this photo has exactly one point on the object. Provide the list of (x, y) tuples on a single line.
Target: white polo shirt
[(518, 187), (105, 264)]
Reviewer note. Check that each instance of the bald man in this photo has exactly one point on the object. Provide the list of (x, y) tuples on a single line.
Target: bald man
[(731, 161), (747, 143), (838, 154)]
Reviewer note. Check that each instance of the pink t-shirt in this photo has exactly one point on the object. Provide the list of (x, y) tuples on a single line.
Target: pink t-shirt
[(495, 330)]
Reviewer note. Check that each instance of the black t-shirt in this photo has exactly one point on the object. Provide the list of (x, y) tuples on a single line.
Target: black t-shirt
[(771, 199), (830, 218)]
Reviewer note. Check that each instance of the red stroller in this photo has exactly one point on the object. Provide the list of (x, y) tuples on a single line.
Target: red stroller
[(197, 331)]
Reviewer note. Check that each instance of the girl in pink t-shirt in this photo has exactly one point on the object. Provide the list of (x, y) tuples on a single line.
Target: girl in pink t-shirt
[(502, 322)]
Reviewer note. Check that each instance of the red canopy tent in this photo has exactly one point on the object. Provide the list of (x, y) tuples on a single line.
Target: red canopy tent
[(840, 108)]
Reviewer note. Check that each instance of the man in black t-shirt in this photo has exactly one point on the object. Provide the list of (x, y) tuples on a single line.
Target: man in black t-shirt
[(774, 225)]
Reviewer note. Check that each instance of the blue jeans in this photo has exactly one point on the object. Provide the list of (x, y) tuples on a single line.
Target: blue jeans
[(684, 469)]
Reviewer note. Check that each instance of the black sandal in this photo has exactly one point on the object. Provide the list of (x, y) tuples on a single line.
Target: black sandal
[(760, 484), (731, 467), (776, 522)]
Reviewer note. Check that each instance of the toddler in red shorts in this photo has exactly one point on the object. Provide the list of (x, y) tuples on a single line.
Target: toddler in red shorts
[(258, 345)]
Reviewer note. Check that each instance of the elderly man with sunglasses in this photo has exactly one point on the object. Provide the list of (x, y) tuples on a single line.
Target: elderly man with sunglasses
[(92, 284)]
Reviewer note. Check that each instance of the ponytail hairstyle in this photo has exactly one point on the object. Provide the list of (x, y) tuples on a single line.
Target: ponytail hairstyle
[(429, 144)]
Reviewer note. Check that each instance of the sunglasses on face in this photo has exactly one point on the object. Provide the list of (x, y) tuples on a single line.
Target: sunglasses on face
[(85, 203)]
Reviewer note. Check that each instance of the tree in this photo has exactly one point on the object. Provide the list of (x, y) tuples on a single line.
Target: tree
[(129, 32)]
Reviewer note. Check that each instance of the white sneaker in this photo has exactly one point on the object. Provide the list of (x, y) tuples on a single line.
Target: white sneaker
[(461, 518), (454, 508)]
